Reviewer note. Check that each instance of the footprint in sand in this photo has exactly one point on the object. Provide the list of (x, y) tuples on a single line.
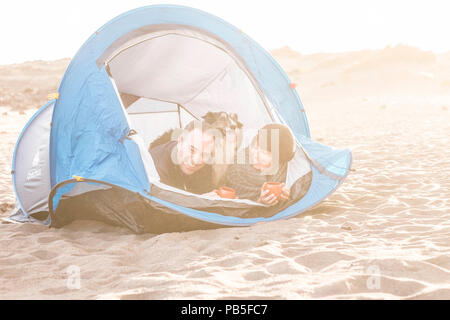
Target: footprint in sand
[(361, 285), (442, 261), (11, 272), (229, 262), (55, 291), (320, 260), (256, 275), (44, 254), (286, 267), (199, 274), (436, 294), (46, 239)]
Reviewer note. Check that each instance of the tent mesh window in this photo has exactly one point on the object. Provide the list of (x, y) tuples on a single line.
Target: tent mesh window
[(166, 76)]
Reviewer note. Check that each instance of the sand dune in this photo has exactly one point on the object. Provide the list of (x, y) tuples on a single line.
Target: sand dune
[(385, 234)]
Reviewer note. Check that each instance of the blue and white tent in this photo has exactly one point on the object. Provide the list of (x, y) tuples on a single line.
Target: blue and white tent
[(148, 70)]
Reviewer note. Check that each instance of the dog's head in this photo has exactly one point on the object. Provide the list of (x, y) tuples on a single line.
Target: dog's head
[(223, 120), (229, 126)]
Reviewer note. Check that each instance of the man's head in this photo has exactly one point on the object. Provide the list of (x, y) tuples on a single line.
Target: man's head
[(273, 144), (195, 147)]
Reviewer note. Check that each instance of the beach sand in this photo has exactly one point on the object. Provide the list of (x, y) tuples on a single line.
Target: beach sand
[(384, 234)]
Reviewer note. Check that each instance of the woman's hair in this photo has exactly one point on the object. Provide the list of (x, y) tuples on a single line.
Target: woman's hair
[(267, 137)]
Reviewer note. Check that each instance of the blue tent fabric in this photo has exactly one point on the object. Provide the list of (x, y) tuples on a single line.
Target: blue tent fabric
[(19, 210), (89, 135), (330, 160)]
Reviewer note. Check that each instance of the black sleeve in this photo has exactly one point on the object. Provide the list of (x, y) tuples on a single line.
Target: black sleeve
[(158, 156), (201, 181)]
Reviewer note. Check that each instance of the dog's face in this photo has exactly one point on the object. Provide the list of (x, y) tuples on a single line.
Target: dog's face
[(223, 120), (229, 126)]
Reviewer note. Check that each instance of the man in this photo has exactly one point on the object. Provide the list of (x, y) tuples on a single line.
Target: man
[(183, 163), (265, 161)]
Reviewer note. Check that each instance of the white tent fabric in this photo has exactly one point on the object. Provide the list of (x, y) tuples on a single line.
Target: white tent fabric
[(297, 167), (144, 105), (31, 163), (150, 169), (188, 68), (150, 118)]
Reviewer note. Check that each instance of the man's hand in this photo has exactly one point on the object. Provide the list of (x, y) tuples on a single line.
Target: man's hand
[(285, 193), (267, 198)]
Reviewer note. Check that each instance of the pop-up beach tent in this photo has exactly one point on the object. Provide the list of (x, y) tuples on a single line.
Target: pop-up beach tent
[(84, 154)]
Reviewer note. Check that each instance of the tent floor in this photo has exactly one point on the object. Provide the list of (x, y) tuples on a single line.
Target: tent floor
[(127, 209)]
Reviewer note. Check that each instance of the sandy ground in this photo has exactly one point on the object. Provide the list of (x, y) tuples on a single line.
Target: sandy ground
[(385, 233)]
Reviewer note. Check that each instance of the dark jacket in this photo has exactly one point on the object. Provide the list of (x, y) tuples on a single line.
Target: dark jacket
[(170, 173)]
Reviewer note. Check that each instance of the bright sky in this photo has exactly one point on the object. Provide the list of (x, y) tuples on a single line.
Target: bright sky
[(53, 29)]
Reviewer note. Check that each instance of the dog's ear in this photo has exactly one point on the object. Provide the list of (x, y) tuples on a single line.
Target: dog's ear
[(211, 117), (234, 117), (207, 116), (222, 117)]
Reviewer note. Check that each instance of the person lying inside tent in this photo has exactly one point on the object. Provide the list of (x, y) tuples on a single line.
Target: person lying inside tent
[(183, 163), (263, 175)]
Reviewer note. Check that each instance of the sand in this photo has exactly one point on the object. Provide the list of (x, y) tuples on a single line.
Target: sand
[(384, 234)]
